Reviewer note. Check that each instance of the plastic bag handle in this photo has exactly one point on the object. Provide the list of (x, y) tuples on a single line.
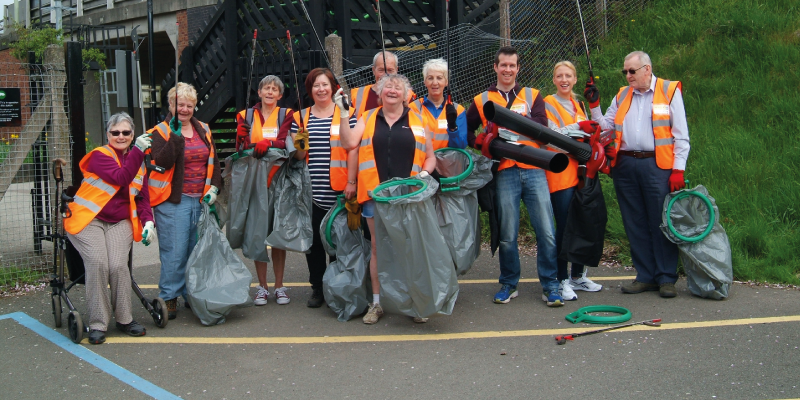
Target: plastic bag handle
[(460, 177), (408, 182), (711, 216), (329, 225)]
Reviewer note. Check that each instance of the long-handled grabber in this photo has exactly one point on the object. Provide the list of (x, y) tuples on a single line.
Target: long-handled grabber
[(148, 159), (561, 339), (585, 41), (324, 53)]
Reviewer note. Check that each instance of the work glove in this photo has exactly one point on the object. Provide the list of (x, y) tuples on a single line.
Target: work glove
[(148, 233), (353, 213), (243, 135), (591, 93), (452, 114), (143, 142), (301, 139), (339, 99), (676, 180), (261, 148), (424, 174), (589, 127), (176, 125), (211, 195)]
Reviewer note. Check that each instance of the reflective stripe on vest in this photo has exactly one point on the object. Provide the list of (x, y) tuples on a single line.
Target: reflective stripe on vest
[(436, 125), (521, 105), (94, 194), (160, 184), (338, 162), (358, 96), (663, 140), (274, 121), (368, 178), (563, 117)]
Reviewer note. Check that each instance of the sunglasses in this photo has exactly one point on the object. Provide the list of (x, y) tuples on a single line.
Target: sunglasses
[(631, 71), (117, 133)]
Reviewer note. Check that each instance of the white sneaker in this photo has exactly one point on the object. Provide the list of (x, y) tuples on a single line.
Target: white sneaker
[(280, 296), (566, 292), (585, 284), (261, 296)]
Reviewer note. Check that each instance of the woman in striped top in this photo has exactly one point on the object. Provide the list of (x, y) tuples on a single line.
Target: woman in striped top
[(331, 169)]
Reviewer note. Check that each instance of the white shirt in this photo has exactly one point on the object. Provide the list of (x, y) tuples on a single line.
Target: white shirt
[(637, 128)]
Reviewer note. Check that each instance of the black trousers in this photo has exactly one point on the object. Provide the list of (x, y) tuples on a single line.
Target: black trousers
[(317, 258)]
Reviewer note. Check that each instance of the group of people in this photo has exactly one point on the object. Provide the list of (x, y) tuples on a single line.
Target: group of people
[(382, 131)]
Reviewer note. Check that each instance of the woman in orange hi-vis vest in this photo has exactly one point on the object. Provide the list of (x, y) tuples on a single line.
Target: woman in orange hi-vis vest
[(393, 143), (268, 128), (315, 133), (565, 113), (110, 210), (183, 146)]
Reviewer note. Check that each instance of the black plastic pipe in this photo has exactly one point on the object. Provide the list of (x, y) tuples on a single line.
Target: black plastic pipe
[(544, 159)]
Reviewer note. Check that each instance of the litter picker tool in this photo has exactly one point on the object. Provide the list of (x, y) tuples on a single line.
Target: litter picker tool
[(148, 159), (324, 53), (380, 24), (294, 70), (562, 339), (585, 41), (249, 113), (447, 48)]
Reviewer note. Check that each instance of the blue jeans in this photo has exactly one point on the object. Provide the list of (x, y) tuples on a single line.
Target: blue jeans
[(560, 201), (177, 236), (530, 186)]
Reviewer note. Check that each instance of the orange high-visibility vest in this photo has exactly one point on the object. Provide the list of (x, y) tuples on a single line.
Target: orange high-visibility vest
[(358, 99), (260, 130), (662, 128), (436, 125), (160, 184), (94, 194), (368, 178), (522, 105), (338, 163), (562, 117)]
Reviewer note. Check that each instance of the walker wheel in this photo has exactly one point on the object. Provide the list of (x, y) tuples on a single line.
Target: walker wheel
[(160, 312), (56, 302), (75, 327)]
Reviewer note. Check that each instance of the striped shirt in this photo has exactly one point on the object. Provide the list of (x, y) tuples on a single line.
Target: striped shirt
[(195, 156), (319, 158)]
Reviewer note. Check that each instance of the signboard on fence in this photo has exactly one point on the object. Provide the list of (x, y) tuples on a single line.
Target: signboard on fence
[(10, 108)]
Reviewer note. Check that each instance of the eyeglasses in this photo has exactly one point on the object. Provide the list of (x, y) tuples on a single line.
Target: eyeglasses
[(117, 133), (631, 71)]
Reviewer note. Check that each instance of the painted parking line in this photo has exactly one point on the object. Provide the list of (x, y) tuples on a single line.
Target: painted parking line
[(440, 336), (460, 282), (127, 377)]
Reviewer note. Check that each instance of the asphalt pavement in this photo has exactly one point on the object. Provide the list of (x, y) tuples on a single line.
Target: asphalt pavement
[(745, 347)]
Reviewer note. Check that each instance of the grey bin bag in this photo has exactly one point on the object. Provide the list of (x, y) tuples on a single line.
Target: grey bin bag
[(291, 193), (707, 263), (415, 267), (345, 284), (457, 203), (217, 281), (250, 203)]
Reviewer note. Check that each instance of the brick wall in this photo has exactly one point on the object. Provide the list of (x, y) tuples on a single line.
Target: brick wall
[(183, 29), (198, 16)]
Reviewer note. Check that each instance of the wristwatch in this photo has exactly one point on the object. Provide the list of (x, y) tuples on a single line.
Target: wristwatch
[(351, 182)]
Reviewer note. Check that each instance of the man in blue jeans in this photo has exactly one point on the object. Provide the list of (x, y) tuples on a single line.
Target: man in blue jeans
[(518, 182)]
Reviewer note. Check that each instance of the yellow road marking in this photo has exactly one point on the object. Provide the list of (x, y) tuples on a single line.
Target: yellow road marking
[(461, 282), (439, 336)]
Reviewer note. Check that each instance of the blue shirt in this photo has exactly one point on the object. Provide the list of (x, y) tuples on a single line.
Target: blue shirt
[(457, 138)]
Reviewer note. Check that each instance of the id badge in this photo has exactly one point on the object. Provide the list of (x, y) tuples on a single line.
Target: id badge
[(334, 130), (269, 133), (443, 124), (418, 131), (519, 108), (661, 109)]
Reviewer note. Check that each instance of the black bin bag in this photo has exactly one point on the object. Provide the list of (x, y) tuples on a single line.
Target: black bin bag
[(345, 284), (586, 225), (415, 267), (463, 173)]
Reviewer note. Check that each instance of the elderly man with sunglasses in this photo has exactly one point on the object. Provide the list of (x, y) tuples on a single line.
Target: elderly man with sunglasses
[(649, 156)]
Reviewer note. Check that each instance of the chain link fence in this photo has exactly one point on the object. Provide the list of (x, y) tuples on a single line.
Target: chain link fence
[(543, 32), (27, 147)]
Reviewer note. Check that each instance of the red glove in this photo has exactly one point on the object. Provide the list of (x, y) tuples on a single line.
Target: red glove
[(242, 135), (676, 181), (589, 127), (261, 148), (591, 93)]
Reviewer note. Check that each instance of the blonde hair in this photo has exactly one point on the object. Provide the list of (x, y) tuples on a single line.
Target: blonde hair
[(185, 91), (394, 78), (569, 65)]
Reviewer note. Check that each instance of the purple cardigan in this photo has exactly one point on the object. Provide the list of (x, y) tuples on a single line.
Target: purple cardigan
[(118, 208)]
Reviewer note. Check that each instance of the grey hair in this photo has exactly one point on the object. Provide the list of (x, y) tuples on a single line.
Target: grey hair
[(643, 57), (436, 64), (397, 78), (389, 55), (271, 80), (119, 118)]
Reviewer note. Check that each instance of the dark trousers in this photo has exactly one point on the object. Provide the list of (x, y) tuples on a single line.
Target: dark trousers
[(641, 188), (317, 258), (560, 201)]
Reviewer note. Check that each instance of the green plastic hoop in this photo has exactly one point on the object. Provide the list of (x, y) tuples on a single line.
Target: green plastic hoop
[(407, 182), (329, 225), (454, 180), (582, 315), (711, 215)]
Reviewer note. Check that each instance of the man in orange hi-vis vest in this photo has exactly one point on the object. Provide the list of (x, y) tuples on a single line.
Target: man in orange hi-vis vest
[(651, 146), (517, 182), (365, 98)]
